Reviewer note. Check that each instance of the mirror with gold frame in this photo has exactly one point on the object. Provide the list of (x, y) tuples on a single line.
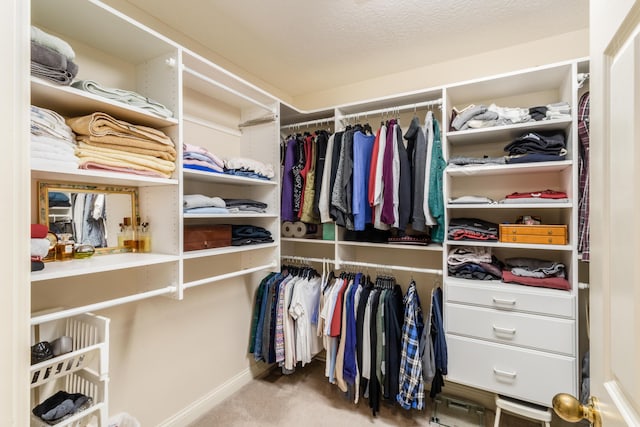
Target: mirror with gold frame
[(92, 214)]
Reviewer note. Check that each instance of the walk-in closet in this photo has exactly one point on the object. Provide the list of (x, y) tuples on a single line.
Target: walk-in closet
[(240, 219)]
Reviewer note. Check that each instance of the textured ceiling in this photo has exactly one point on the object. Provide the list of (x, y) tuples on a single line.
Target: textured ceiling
[(306, 46)]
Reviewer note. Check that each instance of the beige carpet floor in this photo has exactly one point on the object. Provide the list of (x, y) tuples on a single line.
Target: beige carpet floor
[(306, 399)]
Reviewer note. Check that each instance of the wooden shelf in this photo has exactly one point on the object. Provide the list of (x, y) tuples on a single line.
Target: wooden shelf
[(512, 169), (505, 133)]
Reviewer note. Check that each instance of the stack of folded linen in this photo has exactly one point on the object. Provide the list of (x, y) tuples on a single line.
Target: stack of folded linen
[(53, 143), (109, 144), (199, 158), (242, 166), (242, 235), (536, 272), (245, 205), (124, 96), (52, 58)]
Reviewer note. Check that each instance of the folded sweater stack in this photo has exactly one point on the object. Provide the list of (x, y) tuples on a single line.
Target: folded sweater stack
[(199, 158), (481, 116), (52, 58), (53, 143), (106, 143)]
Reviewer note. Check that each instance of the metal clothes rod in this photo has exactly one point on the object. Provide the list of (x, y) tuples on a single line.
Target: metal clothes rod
[(309, 123), (391, 267), (229, 275), (390, 109), (227, 88), (306, 259), (211, 125), (101, 305)]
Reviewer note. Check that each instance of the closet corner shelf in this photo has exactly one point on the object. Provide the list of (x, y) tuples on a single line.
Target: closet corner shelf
[(518, 206), (83, 176), (69, 101), (226, 250), (221, 178), (509, 169), (494, 244), (430, 247), (99, 264), (504, 133), (310, 241)]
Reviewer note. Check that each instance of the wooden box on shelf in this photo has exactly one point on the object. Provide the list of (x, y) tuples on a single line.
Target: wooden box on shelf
[(197, 237), (537, 234)]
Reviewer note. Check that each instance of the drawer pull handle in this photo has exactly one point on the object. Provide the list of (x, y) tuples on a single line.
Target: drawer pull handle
[(504, 301), (504, 373), (498, 329)]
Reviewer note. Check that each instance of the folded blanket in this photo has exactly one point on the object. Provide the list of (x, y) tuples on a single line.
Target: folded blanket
[(111, 130), (63, 78), (124, 96), (48, 57), (54, 144), (52, 42), (48, 122), (49, 155), (49, 164), (126, 159), (146, 148), (95, 165)]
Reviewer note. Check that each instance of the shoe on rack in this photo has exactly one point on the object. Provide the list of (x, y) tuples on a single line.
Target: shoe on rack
[(40, 352)]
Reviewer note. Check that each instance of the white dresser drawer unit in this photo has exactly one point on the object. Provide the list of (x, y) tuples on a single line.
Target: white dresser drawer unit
[(511, 297), (526, 330), (525, 374)]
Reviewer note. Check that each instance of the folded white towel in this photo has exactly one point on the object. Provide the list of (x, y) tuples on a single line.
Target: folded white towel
[(40, 247), (53, 42)]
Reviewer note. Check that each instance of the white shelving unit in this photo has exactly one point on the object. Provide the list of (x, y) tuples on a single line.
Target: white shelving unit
[(211, 108), (85, 369), (515, 332)]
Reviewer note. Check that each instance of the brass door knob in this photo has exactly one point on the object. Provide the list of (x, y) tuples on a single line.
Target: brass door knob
[(570, 409)]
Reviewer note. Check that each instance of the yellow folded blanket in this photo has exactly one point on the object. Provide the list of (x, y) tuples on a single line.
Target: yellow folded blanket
[(119, 158), (101, 127), (138, 147)]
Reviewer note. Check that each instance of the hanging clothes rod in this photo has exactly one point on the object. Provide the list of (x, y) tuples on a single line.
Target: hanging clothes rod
[(390, 267), (210, 125), (229, 275), (306, 259), (309, 123), (226, 88), (101, 305), (392, 109)]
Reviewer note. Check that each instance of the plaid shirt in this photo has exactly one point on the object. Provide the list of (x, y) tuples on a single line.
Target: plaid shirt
[(583, 203), (411, 393)]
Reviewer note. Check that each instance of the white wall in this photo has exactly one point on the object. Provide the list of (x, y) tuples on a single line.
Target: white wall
[(14, 173)]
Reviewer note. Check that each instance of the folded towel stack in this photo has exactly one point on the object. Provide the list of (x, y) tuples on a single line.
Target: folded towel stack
[(106, 143), (52, 58), (53, 143), (125, 96)]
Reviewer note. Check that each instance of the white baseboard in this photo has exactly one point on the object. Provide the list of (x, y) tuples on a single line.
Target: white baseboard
[(207, 402)]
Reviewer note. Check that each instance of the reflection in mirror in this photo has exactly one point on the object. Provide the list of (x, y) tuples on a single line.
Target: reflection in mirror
[(90, 215)]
